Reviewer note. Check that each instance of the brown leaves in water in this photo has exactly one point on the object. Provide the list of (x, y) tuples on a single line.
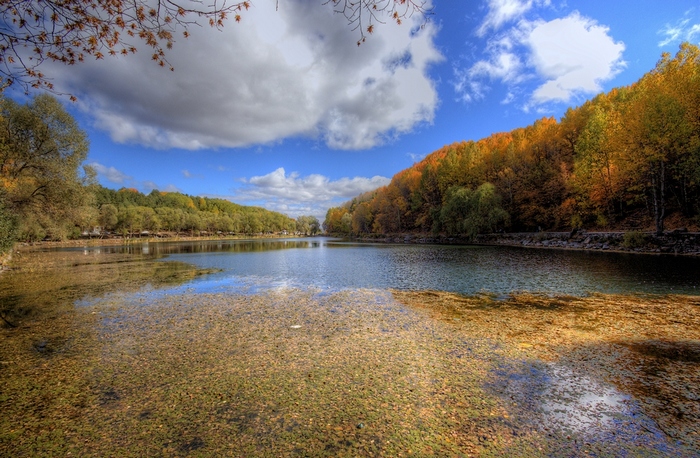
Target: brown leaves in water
[(647, 346)]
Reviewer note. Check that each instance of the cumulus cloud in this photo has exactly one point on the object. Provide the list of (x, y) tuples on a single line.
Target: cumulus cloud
[(301, 195), (277, 74), (574, 54), (556, 60)]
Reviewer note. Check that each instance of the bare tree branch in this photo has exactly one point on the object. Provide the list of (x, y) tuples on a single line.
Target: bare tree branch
[(363, 15)]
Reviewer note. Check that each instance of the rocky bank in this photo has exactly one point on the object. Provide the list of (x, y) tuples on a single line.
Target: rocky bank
[(674, 242)]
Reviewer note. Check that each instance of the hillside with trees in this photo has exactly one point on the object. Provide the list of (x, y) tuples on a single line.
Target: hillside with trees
[(627, 159)]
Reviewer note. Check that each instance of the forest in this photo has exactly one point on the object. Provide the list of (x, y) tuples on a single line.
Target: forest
[(47, 193), (627, 159)]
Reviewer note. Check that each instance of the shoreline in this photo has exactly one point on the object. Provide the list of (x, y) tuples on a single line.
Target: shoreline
[(676, 242)]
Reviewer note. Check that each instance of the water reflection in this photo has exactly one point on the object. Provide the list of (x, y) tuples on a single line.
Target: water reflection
[(565, 401), (204, 246), (332, 264)]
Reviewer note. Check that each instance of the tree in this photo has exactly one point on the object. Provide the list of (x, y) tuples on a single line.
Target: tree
[(109, 217), (70, 31), (85, 217), (308, 225), (660, 130), (362, 219), (41, 152), (333, 224), (596, 170), (130, 219), (472, 212), (192, 222), (8, 229)]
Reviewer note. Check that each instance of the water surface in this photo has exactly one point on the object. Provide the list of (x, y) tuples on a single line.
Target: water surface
[(333, 264)]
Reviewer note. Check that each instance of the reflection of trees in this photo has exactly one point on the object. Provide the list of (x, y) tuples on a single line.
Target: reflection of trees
[(211, 246)]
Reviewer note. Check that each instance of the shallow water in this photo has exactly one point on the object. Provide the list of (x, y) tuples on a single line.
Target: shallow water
[(296, 348)]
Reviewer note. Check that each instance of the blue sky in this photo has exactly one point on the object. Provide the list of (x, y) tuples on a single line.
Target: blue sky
[(284, 111)]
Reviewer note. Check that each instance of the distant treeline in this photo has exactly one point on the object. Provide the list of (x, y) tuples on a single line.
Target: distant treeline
[(627, 158), (128, 211), (45, 193)]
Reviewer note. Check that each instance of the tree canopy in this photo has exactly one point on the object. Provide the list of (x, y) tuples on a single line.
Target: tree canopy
[(41, 152)]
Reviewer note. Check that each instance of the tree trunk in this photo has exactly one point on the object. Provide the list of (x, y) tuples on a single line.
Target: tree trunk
[(659, 197)]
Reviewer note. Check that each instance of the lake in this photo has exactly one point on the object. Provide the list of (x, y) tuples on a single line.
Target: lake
[(327, 263)]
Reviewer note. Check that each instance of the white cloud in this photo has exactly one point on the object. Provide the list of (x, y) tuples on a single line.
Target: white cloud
[(277, 74), (574, 55), (115, 176), (110, 174), (504, 11), (417, 157), (562, 58), (187, 174), (683, 30), (302, 195)]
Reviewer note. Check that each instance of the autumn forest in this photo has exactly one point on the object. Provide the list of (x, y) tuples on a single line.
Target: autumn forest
[(627, 159)]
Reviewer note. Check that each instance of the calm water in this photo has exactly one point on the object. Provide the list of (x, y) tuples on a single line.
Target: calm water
[(332, 264)]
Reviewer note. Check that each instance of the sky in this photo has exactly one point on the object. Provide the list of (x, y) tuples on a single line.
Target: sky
[(283, 110)]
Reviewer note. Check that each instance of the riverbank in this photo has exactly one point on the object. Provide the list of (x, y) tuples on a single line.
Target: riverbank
[(676, 242), (102, 359)]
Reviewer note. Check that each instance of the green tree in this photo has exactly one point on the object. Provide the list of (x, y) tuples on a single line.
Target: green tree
[(471, 213), (41, 152), (109, 217), (308, 225), (193, 222)]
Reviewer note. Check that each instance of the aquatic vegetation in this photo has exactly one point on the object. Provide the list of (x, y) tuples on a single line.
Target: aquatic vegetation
[(303, 372)]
